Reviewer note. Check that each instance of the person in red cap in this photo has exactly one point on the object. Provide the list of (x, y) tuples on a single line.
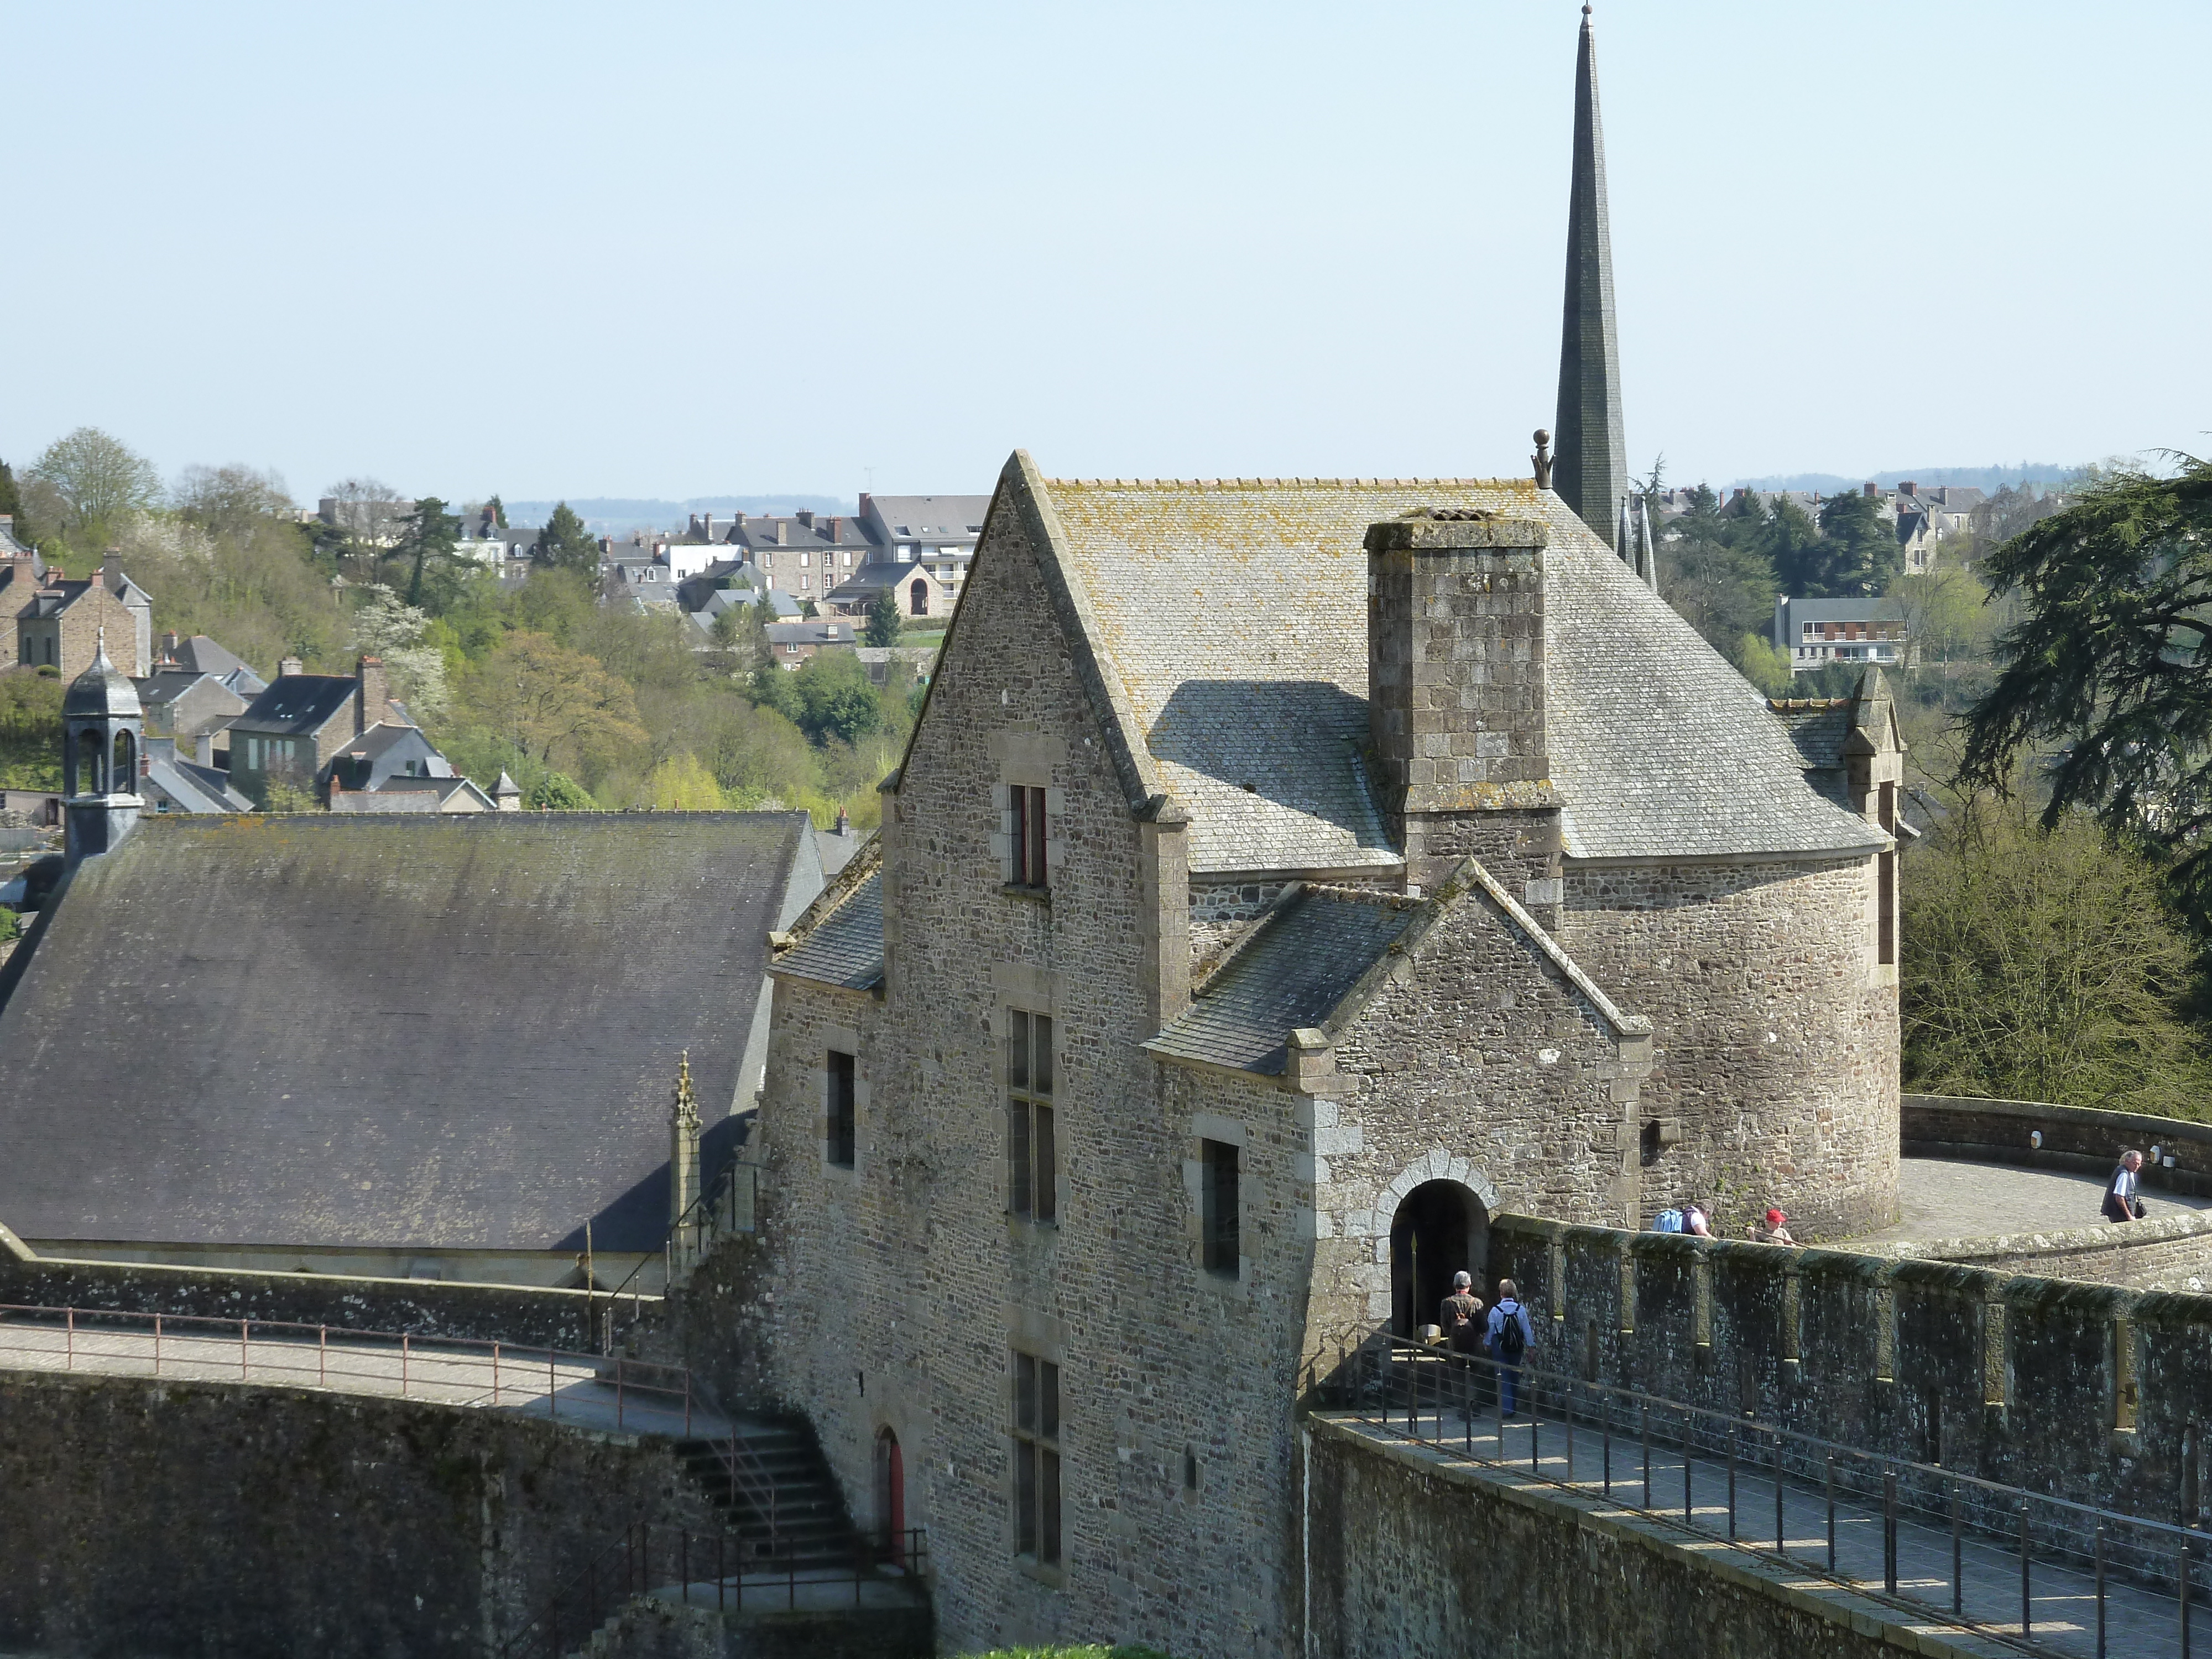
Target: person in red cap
[(1775, 1231)]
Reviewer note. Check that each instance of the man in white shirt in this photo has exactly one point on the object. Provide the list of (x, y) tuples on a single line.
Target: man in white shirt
[(2121, 1203)]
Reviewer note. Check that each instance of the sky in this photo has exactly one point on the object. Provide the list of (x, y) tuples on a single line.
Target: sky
[(673, 250)]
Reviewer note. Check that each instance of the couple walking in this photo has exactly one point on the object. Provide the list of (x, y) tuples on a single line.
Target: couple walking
[(1505, 1338)]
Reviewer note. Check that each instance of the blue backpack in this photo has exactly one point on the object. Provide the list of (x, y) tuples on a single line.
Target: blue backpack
[(1668, 1221)]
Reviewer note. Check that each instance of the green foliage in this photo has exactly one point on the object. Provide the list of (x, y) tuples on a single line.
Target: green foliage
[(431, 534), (1765, 666), (11, 502), (883, 619), (498, 513), (31, 731), (556, 791), (1717, 575), (2044, 964), (836, 698), (1791, 542), (11, 926), (98, 481), (2108, 665), (565, 545), (1856, 553), (282, 794)]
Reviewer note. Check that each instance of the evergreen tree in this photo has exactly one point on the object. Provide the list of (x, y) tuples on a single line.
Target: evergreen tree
[(11, 502), (1791, 542), (1857, 554), (431, 534), (883, 621), (498, 513), (1717, 576), (565, 545)]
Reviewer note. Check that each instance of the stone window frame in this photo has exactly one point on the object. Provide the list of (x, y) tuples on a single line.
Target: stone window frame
[(843, 1040), (1027, 1098), (1026, 761), (1047, 1441), (1201, 1127)]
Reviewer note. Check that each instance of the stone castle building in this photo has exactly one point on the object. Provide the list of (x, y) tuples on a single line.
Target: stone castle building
[(1284, 878)]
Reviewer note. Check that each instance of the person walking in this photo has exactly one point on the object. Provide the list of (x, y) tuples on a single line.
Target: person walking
[(2121, 1203), (1509, 1335), (1459, 1315)]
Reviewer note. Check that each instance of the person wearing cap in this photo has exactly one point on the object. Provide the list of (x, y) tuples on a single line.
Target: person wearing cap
[(1457, 1316), (1775, 1231)]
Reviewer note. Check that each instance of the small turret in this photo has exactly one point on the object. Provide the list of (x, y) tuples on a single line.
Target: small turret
[(103, 732)]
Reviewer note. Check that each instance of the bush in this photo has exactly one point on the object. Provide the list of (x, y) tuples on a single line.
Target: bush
[(556, 791)]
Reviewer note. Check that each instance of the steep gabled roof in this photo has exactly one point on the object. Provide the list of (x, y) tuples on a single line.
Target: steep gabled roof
[(396, 1030), (839, 940), (1222, 630), (298, 704)]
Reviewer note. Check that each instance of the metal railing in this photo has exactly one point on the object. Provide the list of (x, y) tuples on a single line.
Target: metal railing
[(1970, 1552), (452, 1370), (708, 1569), (729, 1204)]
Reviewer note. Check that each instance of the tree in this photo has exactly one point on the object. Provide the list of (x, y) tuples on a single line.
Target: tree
[(883, 619), (2109, 664), (1857, 555), (1791, 542), (498, 513), (560, 706), (565, 545), (228, 500), (430, 536), (838, 698), (556, 791), (384, 627), (97, 479), (2043, 964), (11, 500), (681, 784), (1715, 575)]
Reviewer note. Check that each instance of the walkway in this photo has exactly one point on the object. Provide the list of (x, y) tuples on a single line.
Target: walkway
[(1944, 1198), (584, 1390), (2061, 1604)]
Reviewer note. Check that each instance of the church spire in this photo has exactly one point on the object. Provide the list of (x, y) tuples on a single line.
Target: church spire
[(1591, 471)]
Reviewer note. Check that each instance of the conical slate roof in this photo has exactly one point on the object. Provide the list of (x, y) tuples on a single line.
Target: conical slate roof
[(102, 690)]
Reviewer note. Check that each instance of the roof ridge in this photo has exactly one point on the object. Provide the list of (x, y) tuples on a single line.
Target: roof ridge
[(868, 858), (1293, 895), (1341, 482)]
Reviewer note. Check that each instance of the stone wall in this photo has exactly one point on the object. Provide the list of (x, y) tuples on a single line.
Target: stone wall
[(1776, 1040), (487, 1313), (903, 1288), (2012, 1379), (203, 1519), (1413, 1558), (2079, 1139), (2170, 1252)]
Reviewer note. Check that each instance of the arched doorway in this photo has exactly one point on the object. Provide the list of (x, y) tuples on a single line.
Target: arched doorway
[(918, 597), (891, 1497), (1440, 1229)]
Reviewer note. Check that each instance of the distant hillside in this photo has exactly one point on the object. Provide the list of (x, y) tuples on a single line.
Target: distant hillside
[(609, 515), (1991, 479)]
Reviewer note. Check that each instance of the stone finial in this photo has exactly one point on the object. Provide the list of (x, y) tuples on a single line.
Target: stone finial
[(685, 1110), (1541, 460), (682, 1165)]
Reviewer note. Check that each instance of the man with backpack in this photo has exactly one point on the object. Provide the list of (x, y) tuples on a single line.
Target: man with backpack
[(1456, 1316), (1510, 1334)]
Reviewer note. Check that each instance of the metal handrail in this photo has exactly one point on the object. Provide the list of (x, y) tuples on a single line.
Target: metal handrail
[(271, 1352), (747, 1471), (648, 1555), (700, 1216), (2105, 1544)]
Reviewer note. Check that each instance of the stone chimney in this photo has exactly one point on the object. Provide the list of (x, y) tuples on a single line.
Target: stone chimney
[(1455, 696), (1908, 487), (169, 643), (783, 532), (805, 516), (705, 527), (289, 667), (1871, 492), (371, 691)]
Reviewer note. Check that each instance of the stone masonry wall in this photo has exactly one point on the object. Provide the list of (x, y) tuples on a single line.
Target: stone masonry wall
[(1479, 1064), (1775, 1049), (488, 1313), (2014, 1380), (198, 1519), (1414, 1560), (903, 1288)]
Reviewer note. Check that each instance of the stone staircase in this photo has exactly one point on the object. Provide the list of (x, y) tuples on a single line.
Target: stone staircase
[(776, 1491)]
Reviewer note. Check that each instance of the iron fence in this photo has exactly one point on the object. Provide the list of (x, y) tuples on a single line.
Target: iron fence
[(715, 1569), (454, 1370), (1972, 1552)]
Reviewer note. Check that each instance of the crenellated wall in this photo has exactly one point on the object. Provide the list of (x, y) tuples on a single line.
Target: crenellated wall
[(2008, 1379)]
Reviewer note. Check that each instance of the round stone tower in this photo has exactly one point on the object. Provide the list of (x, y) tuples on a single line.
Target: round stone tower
[(103, 732)]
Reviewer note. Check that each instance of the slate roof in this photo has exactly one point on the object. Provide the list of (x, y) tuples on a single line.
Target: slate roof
[(434, 1031), (298, 704), (844, 947), (201, 655), (193, 788), (1302, 961), (1230, 620), (165, 685)]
